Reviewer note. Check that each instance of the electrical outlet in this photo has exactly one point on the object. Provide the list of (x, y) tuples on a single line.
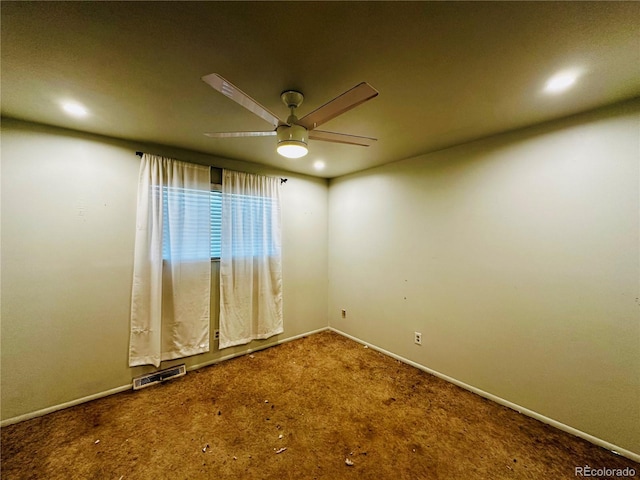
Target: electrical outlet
[(344, 313), (216, 334), (417, 338)]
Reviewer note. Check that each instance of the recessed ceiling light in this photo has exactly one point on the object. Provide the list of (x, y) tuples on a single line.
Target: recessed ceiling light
[(318, 165), (561, 81), (75, 109)]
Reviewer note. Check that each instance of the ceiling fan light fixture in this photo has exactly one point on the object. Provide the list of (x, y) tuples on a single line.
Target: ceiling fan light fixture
[(292, 141), (292, 150)]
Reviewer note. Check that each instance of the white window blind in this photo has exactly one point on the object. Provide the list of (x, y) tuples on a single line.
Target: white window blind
[(178, 198), (216, 221), (256, 231), (256, 210)]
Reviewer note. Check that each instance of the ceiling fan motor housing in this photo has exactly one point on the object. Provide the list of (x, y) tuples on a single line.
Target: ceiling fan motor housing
[(293, 133)]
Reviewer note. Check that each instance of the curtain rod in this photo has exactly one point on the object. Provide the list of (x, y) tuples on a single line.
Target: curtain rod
[(282, 180)]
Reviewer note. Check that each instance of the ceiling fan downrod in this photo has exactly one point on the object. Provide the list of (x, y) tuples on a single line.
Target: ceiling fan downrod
[(292, 100)]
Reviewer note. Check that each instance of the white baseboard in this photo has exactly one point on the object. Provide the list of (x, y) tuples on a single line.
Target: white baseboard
[(62, 406), (530, 413), (257, 349), (123, 388)]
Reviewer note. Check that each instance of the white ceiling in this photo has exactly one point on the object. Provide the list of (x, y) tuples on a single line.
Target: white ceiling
[(447, 72)]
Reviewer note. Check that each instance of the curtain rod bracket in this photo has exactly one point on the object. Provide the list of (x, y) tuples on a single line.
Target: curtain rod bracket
[(139, 154)]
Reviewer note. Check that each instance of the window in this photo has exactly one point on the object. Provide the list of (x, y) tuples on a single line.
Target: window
[(257, 223), (178, 198), (216, 221), (255, 219)]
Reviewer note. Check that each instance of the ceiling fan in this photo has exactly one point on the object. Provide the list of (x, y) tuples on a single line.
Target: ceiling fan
[(294, 134)]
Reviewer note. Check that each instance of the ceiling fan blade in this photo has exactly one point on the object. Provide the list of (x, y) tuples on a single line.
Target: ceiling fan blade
[(234, 93), (341, 138), (348, 100), (239, 134)]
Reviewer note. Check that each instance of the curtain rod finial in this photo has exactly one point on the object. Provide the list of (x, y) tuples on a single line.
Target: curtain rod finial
[(283, 180)]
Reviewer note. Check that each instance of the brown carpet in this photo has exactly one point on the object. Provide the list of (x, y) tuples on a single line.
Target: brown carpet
[(325, 399)]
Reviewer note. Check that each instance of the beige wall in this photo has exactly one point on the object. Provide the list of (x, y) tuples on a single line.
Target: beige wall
[(68, 220), (516, 257)]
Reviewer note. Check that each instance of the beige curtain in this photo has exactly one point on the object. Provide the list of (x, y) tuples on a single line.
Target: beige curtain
[(251, 259), (172, 263)]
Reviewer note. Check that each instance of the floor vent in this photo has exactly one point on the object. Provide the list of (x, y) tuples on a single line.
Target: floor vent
[(156, 377)]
